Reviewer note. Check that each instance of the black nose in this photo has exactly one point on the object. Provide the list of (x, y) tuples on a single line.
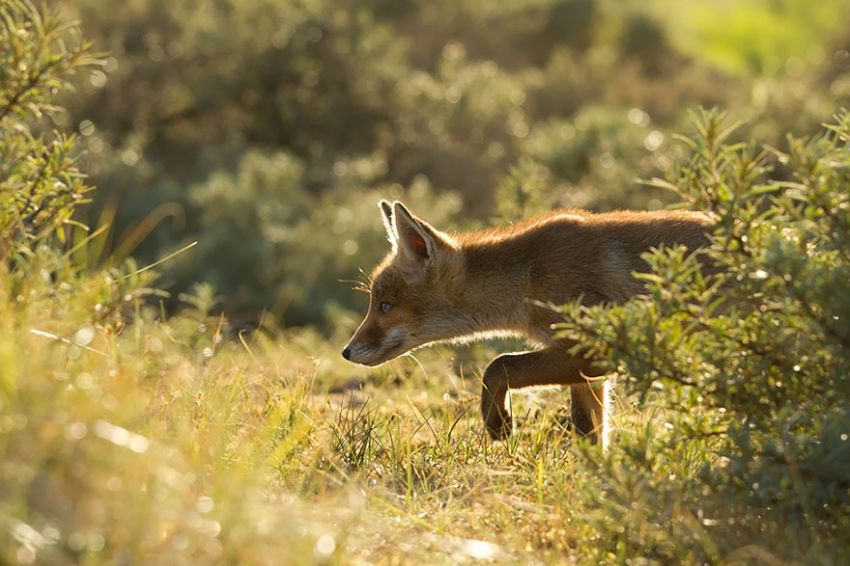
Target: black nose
[(346, 353)]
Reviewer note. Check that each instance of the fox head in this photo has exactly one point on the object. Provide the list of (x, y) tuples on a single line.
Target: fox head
[(413, 293)]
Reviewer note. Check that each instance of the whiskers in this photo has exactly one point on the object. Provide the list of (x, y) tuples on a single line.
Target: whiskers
[(409, 354), (363, 283)]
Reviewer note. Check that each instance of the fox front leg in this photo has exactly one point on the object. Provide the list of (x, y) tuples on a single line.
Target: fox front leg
[(549, 366), (494, 396)]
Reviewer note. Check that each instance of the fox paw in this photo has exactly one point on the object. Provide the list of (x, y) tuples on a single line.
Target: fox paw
[(496, 417), (498, 423)]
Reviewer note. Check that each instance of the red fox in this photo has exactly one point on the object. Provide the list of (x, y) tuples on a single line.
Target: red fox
[(434, 286)]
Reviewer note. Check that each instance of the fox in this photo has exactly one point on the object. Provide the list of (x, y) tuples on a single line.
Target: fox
[(435, 286)]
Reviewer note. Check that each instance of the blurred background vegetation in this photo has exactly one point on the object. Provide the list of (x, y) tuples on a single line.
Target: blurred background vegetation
[(267, 130)]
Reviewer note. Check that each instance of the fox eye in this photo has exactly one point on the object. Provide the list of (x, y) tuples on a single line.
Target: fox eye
[(385, 307)]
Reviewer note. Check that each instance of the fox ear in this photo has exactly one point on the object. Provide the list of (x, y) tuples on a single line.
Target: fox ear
[(387, 217), (416, 239)]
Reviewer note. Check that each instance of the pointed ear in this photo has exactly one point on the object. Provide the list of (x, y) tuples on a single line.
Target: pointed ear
[(416, 239), (387, 217)]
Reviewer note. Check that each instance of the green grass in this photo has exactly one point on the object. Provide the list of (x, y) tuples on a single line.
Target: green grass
[(127, 437), (161, 442), (755, 36)]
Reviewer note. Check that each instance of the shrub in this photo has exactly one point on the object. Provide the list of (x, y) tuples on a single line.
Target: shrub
[(747, 363), (267, 242), (457, 92), (40, 185), (599, 156)]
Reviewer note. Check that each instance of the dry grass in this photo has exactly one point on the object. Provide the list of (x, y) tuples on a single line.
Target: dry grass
[(161, 442)]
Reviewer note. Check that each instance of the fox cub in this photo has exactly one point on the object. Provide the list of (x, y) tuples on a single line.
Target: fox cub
[(434, 286)]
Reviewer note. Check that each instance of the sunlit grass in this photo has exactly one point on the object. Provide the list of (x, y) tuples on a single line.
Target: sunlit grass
[(148, 440), (162, 442), (755, 36)]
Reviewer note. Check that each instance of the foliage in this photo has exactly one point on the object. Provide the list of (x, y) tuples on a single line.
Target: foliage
[(40, 185), (753, 350), (80, 483), (271, 243), (453, 93), (756, 35), (130, 436)]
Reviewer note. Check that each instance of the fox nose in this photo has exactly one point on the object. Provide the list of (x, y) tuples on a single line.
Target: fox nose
[(346, 353)]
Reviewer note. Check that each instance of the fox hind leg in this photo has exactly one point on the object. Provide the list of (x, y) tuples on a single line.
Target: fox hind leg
[(590, 410)]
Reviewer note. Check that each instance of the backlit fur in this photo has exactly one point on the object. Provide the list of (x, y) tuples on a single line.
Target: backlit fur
[(443, 287)]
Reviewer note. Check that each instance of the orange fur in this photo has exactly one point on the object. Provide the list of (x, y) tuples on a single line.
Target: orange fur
[(435, 286)]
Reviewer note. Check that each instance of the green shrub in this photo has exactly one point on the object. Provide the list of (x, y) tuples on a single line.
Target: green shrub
[(457, 92), (598, 156), (747, 362), (267, 242), (40, 185)]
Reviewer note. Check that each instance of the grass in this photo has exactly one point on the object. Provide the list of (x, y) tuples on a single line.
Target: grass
[(131, 437), (163, 442)]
